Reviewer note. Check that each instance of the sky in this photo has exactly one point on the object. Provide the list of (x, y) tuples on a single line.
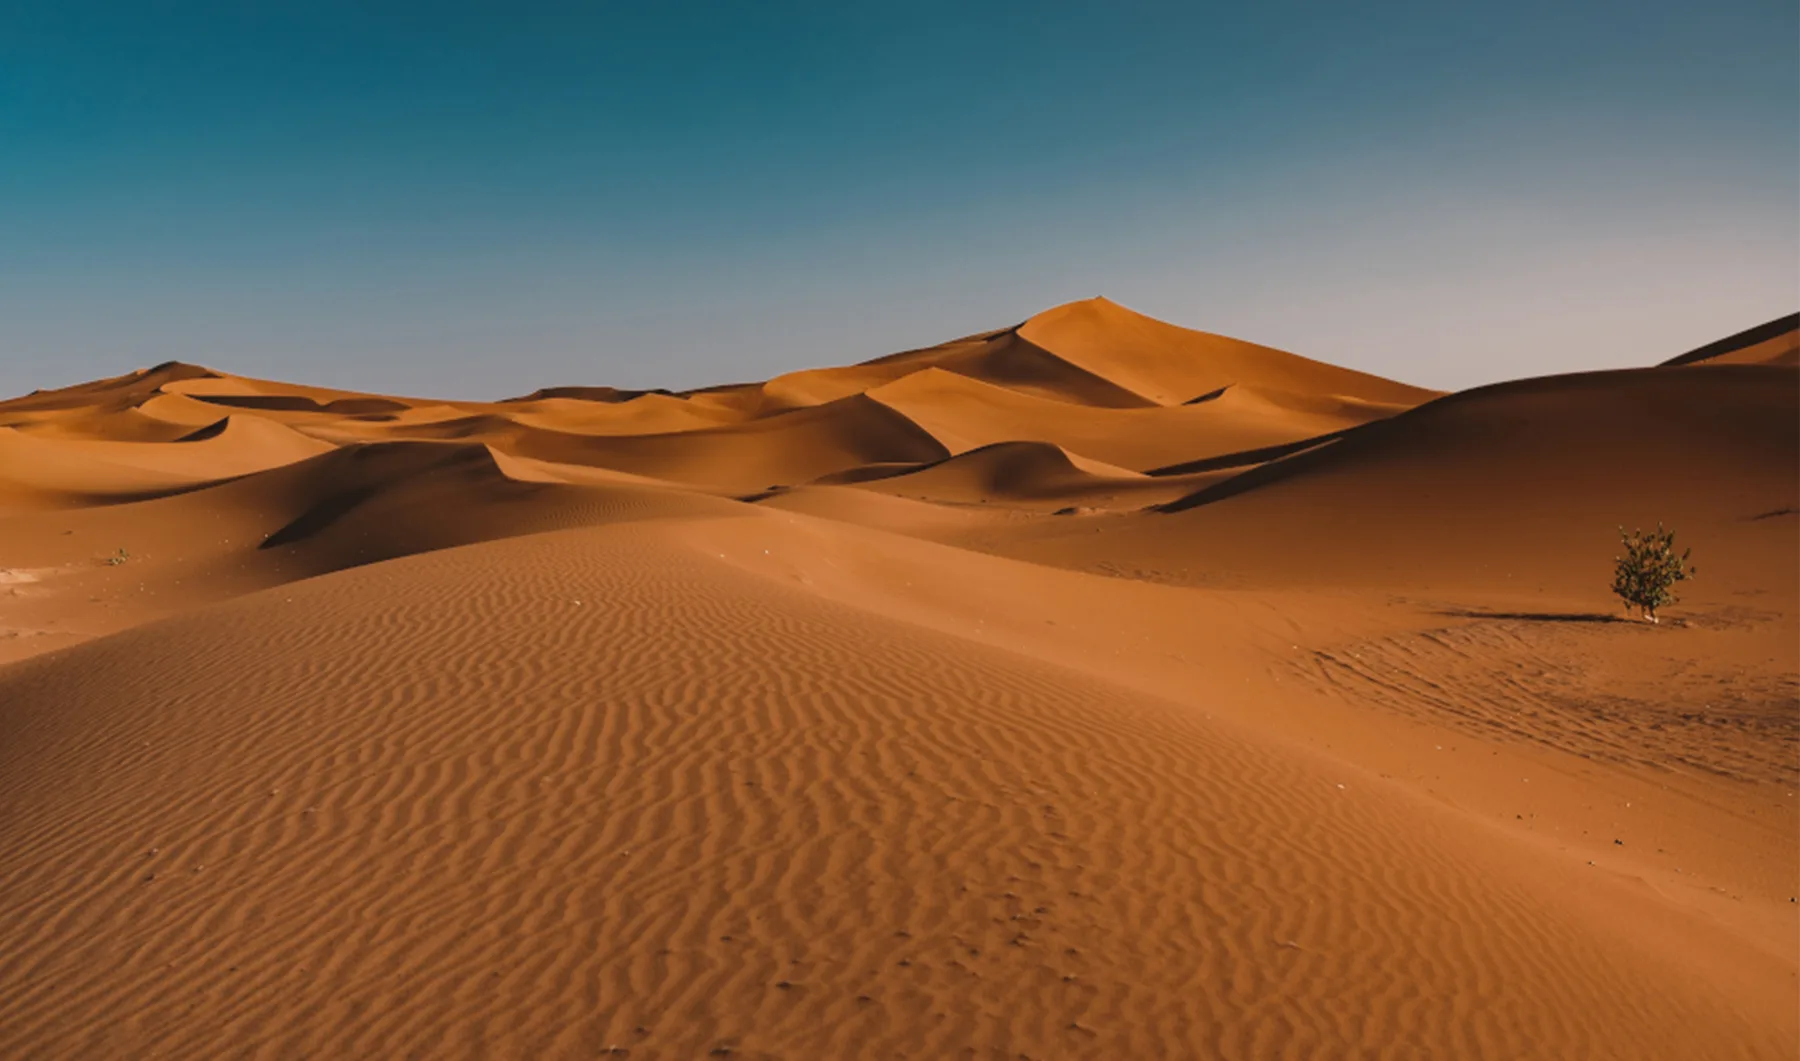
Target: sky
[(475, 200)]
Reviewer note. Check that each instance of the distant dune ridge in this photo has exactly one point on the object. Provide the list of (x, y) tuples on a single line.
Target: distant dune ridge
[(1774, 343), (1093, 687)]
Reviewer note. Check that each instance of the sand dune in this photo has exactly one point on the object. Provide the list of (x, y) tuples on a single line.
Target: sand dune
[(1032, 474), (1516, 486), (1197, 397), (1088, 688), (367, 503), (1171, 365), (68, 472), (1001, 358), (791, 448), (869, 837), (131, 408), (1774, 343), (649, 414), (965, 414)]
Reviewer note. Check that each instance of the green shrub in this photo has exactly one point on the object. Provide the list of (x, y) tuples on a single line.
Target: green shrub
[(1646, 575)]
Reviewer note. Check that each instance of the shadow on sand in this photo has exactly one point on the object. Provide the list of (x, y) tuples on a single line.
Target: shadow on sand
[(1536, 617)]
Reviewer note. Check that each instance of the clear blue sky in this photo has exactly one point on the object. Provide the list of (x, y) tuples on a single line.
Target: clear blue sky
[(479, 199)]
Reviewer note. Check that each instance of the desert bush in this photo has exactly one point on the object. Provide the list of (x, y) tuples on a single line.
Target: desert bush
[(1645, 576)]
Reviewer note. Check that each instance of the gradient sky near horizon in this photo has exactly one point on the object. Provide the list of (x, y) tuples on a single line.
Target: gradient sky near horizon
[(475, 200)]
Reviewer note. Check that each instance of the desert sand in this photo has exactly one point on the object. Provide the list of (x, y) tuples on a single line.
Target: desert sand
[(1091, 688)]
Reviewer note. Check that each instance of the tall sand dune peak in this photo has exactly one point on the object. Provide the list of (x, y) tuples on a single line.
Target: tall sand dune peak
[(1171, 365)]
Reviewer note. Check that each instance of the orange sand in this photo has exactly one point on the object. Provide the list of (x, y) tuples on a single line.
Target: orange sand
[(1091, 688)]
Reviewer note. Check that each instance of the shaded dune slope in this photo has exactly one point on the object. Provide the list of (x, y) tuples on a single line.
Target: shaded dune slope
[(1519, 483), (793, 447), (135, 407), (1017, 467), (75, 567), (1774, 343), (1001, 359), (1030, 474), (965, 414), (367, 503), (1172, 365), (71, 472), (116, 391)]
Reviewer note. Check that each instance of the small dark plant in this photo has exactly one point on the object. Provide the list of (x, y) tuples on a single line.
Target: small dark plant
[(1645, 576)]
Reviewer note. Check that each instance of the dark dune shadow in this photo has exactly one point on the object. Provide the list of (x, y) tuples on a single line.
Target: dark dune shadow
[(1535, 617), (1208, 396), (1747, 337), (321, 515), (1245, 458), (293, 403), (212, 430), (607, 395)]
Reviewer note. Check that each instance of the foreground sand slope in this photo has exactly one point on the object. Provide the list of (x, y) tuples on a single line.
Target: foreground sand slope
[(634, 786)]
